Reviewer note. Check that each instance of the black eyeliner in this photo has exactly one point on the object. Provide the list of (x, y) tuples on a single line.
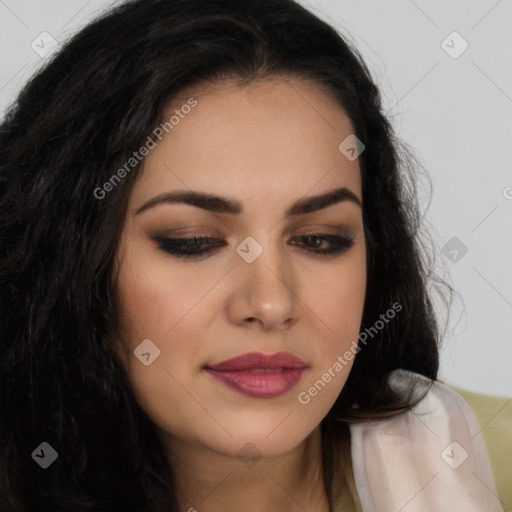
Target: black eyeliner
[(189, 247)]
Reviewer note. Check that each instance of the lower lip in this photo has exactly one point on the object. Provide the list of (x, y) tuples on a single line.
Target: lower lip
[(259, 384)]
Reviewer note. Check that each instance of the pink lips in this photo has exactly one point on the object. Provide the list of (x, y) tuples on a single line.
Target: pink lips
[(259, 375)]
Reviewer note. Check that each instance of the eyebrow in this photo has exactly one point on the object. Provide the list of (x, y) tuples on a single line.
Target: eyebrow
[(219, 204)]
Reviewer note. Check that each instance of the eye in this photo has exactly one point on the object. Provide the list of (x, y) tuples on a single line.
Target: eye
[(197, 246), (188, 247), (337, 243)]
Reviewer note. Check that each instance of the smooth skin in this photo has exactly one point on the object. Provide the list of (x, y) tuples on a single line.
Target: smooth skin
[(266, 145)]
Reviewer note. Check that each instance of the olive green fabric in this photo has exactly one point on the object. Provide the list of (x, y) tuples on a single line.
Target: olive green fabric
[(495, 417)]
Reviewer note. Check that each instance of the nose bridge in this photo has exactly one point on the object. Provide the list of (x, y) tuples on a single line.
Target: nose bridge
[(265, 263), (267, 281)]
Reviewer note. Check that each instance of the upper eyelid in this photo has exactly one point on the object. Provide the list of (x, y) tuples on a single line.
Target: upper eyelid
[(345, 233), (198, 231), (203, 238)]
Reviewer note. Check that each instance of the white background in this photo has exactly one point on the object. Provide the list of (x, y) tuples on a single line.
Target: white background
[(455, 113)]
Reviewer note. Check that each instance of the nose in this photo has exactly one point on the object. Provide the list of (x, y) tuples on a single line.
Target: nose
[(265, 294)]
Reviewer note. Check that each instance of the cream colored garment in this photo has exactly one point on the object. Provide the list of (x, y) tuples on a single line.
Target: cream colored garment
[(432, 458)]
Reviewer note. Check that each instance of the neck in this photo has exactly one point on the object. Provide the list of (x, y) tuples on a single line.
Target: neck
[(209, 481)]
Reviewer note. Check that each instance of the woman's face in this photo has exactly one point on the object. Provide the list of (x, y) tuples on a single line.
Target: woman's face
[(265, 151)]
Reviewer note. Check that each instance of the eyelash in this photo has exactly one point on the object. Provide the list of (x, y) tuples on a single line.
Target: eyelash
[(184, 247)]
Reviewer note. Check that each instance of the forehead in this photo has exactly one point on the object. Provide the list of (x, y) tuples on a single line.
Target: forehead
[(272, 140)]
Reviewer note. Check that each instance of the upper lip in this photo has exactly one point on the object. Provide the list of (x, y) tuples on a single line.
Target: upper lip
[(257, 360)]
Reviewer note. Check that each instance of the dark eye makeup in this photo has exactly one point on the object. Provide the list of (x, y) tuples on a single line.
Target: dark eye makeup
[(198, 246)]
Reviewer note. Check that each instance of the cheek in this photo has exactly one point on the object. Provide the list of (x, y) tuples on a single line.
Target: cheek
[(337, 297), (163, 305), (156, 298), (338, 301)]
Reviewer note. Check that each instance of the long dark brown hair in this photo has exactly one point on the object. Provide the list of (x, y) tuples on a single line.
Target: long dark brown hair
[(76, 122)]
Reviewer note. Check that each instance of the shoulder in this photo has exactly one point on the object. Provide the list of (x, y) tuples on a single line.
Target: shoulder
[(430, 458)]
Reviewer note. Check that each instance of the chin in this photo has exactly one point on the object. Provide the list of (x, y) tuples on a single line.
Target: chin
[(252, 443)]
